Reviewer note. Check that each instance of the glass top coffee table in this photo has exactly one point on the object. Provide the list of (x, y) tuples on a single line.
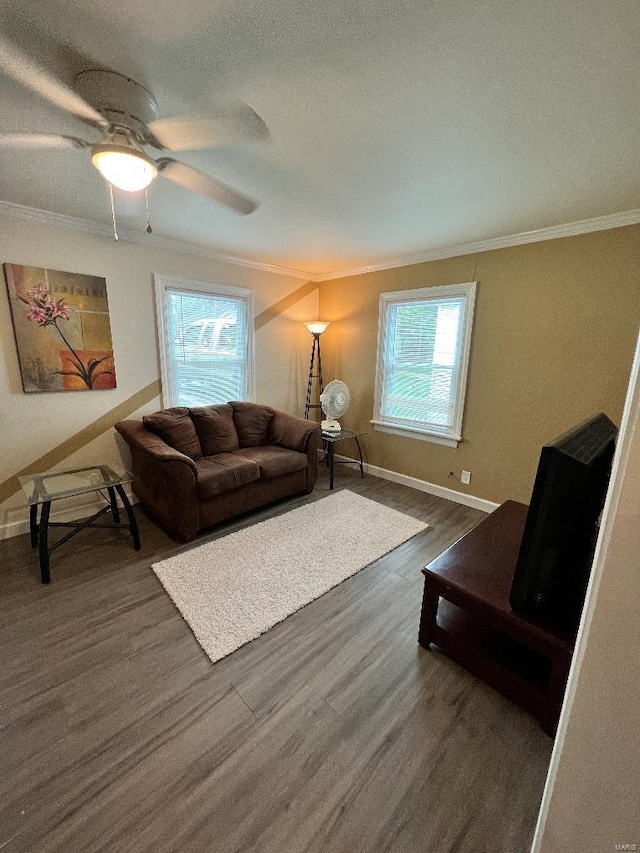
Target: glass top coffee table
[(41, 489), (330, 439)]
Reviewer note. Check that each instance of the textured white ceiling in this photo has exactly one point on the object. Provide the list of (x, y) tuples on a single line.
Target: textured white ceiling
[(397, 127)]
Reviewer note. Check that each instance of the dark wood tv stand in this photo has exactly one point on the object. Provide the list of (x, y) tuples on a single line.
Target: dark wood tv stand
[(466, 613)]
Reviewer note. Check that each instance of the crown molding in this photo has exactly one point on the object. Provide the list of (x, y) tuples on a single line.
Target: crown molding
[(100, 229), (554, 232)]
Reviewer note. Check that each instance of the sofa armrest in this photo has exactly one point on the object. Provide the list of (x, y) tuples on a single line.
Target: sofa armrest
[(289, 431), (163, 479), (139, 437)]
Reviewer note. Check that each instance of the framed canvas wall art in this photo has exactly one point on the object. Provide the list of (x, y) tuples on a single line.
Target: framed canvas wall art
[(62, 329)]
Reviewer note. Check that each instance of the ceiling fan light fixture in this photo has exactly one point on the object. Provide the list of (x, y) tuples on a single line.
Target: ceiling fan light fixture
[(124, 167)]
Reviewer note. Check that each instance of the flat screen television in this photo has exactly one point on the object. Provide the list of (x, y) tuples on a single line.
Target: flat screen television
[(561, 526)]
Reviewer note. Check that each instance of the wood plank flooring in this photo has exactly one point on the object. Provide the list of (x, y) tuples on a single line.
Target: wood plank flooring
[(332, 733)]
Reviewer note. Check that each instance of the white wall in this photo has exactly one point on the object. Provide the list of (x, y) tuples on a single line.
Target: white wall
[(592, 797), (32, 424)]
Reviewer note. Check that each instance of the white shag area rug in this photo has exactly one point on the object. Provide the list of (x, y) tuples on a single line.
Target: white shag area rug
[(235, 588)]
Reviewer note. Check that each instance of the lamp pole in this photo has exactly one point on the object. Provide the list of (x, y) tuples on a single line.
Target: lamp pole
[(316, 328)]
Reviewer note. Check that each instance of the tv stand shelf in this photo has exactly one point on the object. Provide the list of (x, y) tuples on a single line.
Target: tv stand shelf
[(466, 613)]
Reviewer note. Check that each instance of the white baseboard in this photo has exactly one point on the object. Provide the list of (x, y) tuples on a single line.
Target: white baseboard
[(20, 526), (425, 486), (78, 510)]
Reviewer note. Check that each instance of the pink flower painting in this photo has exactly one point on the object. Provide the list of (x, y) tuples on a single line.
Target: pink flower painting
[(63, 333)]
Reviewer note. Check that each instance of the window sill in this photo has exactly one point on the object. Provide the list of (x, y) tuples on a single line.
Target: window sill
[(421, 435)]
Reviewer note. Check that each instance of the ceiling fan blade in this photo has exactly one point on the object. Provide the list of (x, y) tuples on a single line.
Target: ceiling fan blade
[(41, 140), (207, 130), (22, 68), (198, 182)]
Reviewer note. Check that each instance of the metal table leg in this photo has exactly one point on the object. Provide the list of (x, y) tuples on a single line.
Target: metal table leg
[(43, 542), (360, 452), (33, 524), (133, 524), (330, 463), (114, 505)]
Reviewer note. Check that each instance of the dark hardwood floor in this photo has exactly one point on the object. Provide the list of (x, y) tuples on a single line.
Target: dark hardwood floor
[(332, 733)]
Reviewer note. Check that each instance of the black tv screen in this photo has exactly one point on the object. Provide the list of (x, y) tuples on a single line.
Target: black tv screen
[(554, 562)]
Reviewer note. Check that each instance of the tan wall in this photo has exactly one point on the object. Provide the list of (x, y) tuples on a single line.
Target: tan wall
[(33, 424), (554, 333)]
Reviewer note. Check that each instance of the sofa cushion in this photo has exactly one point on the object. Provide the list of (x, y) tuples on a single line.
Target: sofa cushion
[(215, 428), (252, 423), (222, 473), (175, 427), (274, 461)]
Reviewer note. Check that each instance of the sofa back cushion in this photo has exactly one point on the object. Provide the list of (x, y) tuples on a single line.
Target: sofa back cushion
[(215, 428), (175, 427), (252, 423)]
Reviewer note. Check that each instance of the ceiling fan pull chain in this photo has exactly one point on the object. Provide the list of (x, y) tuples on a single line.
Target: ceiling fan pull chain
[(146, 201), (113, 214)]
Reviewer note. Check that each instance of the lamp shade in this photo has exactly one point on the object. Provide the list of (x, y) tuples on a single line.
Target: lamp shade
[(316, 327), (124, 168)]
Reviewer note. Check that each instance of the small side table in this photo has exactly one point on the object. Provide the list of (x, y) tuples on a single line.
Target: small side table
[(42, 489), (330, 439)]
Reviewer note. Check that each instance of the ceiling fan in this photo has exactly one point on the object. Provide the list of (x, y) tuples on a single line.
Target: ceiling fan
[(128, 119)]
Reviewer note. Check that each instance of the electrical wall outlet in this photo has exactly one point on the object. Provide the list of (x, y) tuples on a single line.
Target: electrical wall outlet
[(466, 477)]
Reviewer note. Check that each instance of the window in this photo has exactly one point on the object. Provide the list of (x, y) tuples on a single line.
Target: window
[(205, 333), (423, 354)]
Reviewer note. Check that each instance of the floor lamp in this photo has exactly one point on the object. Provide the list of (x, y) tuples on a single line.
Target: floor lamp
[(316, 328)]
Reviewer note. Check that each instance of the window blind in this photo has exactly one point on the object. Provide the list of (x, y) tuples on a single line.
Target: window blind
[(421, 363), (206, 347)]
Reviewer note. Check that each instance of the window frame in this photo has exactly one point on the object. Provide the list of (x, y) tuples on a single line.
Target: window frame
[(452, 436), (164, 283)]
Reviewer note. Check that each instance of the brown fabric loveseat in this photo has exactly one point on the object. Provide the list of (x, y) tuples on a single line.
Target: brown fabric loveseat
[(197, 467)]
